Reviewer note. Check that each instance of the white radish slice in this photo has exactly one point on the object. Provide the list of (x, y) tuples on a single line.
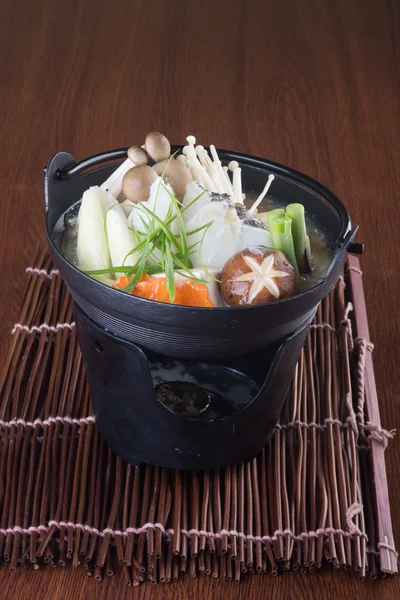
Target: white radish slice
[(92, 247), (217, 244), (120, 239), (159, 203)]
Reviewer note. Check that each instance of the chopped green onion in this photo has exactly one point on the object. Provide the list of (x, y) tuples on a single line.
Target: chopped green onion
[(274, 214), (169, 272), (280, 229), (158, 236), (300, 238), (172, 238)]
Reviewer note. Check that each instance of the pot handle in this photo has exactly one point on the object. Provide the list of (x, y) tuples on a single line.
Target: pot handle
[(91, 161), (355, 248)]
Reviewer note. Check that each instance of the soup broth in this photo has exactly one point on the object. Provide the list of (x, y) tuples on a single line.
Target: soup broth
[(66, 232)]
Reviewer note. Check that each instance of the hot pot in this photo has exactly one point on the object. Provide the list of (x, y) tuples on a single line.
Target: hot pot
[(129, 344)]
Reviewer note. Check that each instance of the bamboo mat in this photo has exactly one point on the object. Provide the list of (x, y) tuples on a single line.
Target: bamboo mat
[(314, 496)]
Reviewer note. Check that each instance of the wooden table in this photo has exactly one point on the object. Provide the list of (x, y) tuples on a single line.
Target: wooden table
[(313, 84)]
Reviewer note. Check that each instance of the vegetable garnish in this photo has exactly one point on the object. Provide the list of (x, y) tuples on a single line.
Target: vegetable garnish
[(186, 292), (289, 234), (282, 238), (163, 223), (300, 237), (174, 248)]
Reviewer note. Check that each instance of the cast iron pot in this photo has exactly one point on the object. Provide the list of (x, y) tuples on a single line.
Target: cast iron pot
[(121, 336), (189, 332)]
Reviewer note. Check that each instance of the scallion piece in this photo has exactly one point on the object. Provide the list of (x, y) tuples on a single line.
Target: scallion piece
[(300, 238), (274, 214), (280, 229)]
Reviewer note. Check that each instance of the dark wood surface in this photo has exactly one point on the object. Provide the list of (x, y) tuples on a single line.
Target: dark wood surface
[(314, 84)]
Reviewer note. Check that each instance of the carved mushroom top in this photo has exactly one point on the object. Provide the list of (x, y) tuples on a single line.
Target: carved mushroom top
[(257, 275)]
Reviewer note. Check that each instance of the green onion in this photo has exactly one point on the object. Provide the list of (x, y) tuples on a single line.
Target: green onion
[(169, 272), (109, 270), (280, 229), (300, 238), (139, 269), (168, 233), (158, 236), (181, 225), (274, 214)]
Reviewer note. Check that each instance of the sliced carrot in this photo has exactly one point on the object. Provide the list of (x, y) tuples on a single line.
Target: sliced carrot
[(187, 293)]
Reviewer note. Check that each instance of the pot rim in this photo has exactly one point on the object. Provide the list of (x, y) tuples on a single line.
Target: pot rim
[(321, 192)]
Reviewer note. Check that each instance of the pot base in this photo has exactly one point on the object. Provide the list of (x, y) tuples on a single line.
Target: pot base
[(246, 397)]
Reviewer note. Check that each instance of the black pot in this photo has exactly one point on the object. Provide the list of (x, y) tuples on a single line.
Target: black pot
[(122, 337), (197, 332)]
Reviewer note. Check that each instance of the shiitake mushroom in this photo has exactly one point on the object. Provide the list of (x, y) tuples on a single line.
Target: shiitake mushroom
[(257, 275)]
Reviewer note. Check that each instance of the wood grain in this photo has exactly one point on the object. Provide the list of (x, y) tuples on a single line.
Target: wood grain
[(312, 84)]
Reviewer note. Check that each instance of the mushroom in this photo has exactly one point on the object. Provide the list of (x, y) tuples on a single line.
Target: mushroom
[(224, 178), (211, 169), (260, 198), (138, 156), (257, 275), (177, 174), (113, 183), (137, 182), (237, 180), (157, 146), (198, 171)]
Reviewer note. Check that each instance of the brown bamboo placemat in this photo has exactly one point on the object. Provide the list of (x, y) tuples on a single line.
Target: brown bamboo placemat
[(315, 495)]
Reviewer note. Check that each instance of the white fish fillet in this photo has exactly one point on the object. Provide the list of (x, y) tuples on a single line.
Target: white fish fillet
[(221, 240), (194, 190), (253, 236)]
